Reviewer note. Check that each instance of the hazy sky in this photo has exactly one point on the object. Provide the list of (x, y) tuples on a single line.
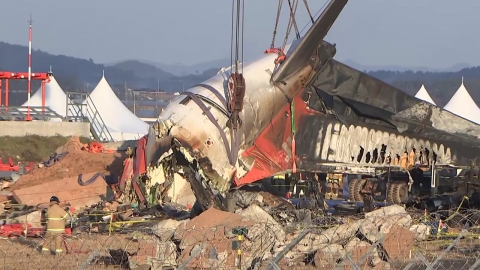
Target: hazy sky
[(411, 33)]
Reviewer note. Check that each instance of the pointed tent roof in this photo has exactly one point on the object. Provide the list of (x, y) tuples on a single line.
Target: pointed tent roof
[(116, 116), (423, 95), (55, 97), (463, 105)]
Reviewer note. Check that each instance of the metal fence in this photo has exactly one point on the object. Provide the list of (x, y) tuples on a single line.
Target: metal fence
[(374, 241)]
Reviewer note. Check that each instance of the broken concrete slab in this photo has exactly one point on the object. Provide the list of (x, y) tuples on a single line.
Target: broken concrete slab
[(420, 231), (208, 225), (67, 190), (167, 256), (264, 223), (360, 252), (386, 217), (265, 235), (370, 232), (150, 251), (210, 235), (398, 243), (165, 229), (329, 255), (341, 233), (386, 211)]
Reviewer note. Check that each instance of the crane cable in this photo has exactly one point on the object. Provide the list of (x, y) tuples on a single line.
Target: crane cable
[(237, 34), (236, 81), (312, 18), (308, 10), (292, 16), (291, 22), (279, 10)]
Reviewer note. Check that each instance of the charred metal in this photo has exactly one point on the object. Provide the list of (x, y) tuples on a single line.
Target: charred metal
[(309, 113)]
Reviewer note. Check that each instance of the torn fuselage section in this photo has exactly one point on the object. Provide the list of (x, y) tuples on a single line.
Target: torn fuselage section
[(184, 155), (196, 124), (357, 134)]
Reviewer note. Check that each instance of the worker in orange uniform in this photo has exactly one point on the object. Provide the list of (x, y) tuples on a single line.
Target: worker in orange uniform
[(56, 219)]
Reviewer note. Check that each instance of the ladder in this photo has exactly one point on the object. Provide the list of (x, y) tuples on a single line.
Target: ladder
[(80, 111)]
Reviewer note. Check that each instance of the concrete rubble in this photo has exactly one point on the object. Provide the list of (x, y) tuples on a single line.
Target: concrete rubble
[(384, 236), (379, 239)]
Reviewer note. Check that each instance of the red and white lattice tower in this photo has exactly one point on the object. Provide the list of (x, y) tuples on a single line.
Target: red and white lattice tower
[(29, 67)]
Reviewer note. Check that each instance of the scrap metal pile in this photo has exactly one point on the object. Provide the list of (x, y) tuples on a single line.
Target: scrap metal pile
[(272, 231), (62, 175), (169, 235), (306, 113)]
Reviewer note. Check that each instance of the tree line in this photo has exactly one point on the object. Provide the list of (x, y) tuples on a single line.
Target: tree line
[(74, 74)]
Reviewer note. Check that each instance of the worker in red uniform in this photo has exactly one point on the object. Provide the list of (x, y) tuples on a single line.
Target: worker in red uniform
[(56, 219)]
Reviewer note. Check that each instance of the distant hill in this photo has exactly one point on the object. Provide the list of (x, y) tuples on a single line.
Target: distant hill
[(143, 70), (74, 73), (15, 58), (184, 70), (440, 85), (358, 66), (179, 69)]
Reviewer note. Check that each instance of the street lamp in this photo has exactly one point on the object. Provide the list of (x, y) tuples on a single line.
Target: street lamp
[(133, 93), (156, 94)]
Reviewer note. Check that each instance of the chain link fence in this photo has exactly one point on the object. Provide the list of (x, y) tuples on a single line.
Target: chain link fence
[(388, 238)]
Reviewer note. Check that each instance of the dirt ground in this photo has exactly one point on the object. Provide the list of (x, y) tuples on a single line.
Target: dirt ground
[(74, 163), (21, 253), (31, 148)]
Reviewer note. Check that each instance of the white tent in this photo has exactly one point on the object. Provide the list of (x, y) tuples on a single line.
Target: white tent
[(120, 121), (463, 105), (55, 98), (423, 95)]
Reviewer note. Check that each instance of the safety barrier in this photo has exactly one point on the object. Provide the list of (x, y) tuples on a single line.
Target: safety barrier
[(77, 110), (402, 241)]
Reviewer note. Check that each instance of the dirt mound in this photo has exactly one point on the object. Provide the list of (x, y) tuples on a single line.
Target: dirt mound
[(74, 163), (72, 145)]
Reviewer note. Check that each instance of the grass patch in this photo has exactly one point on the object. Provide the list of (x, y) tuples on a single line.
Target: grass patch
[(31, 148)]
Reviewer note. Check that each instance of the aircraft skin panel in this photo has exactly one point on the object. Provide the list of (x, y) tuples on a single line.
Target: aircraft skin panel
[(345, 121), (374, 98), (325, 143)]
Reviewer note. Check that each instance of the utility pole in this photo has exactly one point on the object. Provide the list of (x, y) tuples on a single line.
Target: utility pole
[(29, 66), (156, 95), (125, 92), (134, 111)]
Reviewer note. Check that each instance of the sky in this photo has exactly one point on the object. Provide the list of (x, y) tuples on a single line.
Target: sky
[(371, 32)]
